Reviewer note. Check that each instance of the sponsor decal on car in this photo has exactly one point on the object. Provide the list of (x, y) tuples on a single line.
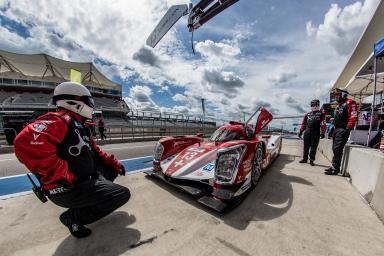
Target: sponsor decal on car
[(209, 167), (180, 143), (185, 158), (198, 150), (247, 164)]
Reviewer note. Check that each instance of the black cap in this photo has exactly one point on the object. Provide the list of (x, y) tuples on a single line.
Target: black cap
[(315, 102)]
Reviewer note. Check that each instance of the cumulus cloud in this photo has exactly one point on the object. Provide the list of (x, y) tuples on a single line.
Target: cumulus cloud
[(180, 98), (236, 67), (208, 48), (283, 77), (293, 103), (256, 104), (146, 56), (224, 82), (93, 30), (342, 27), (225, 101), (140, 99)]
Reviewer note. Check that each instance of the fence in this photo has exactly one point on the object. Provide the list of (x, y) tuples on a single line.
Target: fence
[(134, 130), (145, 132)]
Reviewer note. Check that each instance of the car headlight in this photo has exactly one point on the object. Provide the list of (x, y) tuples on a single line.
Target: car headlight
[(227, 163), (159, 150)]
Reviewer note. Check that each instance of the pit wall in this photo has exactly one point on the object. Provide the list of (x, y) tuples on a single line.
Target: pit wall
[(365, 167)]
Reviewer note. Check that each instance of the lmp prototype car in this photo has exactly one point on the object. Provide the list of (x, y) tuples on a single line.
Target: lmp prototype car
[(220, 170)]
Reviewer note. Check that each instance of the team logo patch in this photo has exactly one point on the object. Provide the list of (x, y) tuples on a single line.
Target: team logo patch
[(40, 127)]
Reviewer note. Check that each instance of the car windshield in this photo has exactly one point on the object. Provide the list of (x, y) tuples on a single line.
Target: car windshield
[(225, 135)]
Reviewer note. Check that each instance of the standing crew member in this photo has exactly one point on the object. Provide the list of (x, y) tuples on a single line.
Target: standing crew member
[(73, 171), (345, 118), (313, 126), (101, 127)]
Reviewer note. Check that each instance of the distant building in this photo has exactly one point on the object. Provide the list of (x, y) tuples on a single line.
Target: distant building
[(27, 83)]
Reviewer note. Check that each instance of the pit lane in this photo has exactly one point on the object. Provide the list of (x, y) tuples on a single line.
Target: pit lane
[(294, 210)]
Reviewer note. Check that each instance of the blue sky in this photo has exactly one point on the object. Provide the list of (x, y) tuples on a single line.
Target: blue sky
[(278, 54)]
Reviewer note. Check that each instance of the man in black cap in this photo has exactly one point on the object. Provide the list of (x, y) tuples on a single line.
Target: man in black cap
[(345, 118), (313, 126)]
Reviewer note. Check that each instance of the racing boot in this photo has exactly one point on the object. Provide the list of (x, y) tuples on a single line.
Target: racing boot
[(311, 162), (77, 230), (303, 161)]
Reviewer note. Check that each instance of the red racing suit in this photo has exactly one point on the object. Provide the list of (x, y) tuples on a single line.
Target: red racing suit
[(345, 114), (314, 120), (59, 148)]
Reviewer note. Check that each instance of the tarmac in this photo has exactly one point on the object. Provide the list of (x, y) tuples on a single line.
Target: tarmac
[(294, 210)]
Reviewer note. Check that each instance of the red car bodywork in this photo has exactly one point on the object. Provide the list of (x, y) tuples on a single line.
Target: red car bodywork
[(221, 169)]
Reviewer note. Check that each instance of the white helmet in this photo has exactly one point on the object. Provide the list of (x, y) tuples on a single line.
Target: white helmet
[(74, 97)]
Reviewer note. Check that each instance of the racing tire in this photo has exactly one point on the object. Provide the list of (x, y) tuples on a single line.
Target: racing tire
[(256, 168), (280, 147)]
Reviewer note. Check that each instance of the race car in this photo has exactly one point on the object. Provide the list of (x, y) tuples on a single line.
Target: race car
[(219, 171)]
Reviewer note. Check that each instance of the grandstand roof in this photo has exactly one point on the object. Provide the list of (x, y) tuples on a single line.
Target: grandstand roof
[(43, 66), (350, 76)]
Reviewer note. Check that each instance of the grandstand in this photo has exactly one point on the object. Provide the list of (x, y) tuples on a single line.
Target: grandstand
[(27, 82)]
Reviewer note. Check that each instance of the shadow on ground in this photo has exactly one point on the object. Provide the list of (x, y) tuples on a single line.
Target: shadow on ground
[(270, 199), (110, 236)]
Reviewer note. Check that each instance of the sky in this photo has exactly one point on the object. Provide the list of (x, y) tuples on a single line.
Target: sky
[(274, 53)]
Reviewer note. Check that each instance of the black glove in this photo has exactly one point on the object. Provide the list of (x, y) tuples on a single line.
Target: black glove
[(322, 136), (300, 135), (122, 171)]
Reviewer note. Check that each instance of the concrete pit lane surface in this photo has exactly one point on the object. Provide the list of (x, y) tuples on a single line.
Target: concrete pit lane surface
[(294, 210)]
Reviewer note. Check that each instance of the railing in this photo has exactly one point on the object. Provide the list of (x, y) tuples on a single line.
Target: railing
[(137, 132), (145, 132)]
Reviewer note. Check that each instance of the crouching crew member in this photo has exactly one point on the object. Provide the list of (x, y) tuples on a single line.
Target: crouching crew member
[(313, 126), (73, 171), (344, 121)]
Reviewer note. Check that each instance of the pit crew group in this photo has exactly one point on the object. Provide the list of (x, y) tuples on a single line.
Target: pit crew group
[(313, 126), (76, 174)]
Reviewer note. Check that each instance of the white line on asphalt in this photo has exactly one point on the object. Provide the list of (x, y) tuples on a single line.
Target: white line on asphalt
[(8, 159), (134, 158), (12, 176), (141, 170), (15, 195), (13, 159), (129, 147)]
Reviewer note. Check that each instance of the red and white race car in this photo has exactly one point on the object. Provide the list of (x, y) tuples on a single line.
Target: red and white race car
[(220, 170)]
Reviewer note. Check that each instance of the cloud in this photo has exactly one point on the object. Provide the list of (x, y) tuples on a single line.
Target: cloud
[(180, 98), (140, 99), (293, 103), (342, 27), (256, 103), (225, 101), (180, 109), (208, 48), (283, 77), (140, 93), (227, 83), (236, 59), (146, 56)]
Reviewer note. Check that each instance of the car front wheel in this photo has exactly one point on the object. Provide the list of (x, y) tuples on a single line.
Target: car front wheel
[(256, 169)]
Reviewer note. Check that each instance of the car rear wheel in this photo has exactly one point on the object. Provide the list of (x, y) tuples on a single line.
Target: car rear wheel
[(256, 169)]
